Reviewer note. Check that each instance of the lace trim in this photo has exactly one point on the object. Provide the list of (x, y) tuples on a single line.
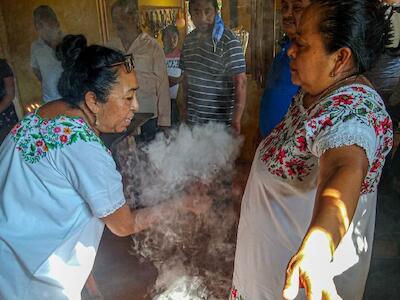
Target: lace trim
[(345, 140)]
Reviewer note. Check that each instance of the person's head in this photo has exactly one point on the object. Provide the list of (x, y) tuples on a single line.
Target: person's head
[(46, 23), (203, 14), (170, 38), (291, 11), (125, 16), (100, 80), (335, 39)]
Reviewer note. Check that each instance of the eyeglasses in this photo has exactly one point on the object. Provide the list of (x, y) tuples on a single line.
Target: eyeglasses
[(129, 63)]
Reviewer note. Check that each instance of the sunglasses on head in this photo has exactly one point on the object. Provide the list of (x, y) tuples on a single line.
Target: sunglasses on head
[(129, 63)]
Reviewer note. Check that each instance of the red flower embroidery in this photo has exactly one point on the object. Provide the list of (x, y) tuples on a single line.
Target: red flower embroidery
[(386, 125), (281, 155), (326, 122), (375, 166), (39, 143), (63, 139), (57, 130), (359, 89), (342, 100), (234, 293), (295, 166), (302, 143), (269, 154)]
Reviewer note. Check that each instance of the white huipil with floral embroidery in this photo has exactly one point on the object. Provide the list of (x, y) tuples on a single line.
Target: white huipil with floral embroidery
[(56, 180), (280, 193)]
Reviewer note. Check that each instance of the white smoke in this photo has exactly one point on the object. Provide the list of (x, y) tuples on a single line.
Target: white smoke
[(193, 254)]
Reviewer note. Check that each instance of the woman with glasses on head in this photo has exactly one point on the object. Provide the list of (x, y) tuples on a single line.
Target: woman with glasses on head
[(59, 183)]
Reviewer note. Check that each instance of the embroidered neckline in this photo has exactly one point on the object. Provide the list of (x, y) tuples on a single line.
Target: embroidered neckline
[(35, 136)]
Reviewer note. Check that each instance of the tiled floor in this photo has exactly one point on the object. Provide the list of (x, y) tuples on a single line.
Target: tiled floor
[(121, 276)]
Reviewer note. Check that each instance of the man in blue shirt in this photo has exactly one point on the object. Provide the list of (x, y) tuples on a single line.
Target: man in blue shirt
[(279, 89)]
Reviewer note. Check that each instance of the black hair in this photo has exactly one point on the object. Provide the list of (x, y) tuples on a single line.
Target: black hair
[(214, 3), (44, 13), (169, 29), (359, 25), (85, 69)]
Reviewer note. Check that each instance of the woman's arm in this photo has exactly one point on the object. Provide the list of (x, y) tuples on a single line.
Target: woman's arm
[(124, 222), (10, 93), (341, 174)]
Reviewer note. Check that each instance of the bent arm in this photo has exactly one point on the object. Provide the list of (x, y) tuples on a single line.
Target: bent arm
[(10, 93)]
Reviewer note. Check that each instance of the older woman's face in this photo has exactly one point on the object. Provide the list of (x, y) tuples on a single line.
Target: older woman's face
[(291, 12), (116, 114), (310, 63)]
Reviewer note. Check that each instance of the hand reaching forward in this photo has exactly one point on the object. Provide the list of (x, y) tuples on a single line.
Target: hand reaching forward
[(311, 268)]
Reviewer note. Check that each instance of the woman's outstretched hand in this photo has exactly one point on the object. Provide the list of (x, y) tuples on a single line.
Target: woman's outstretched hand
[(310, 268)]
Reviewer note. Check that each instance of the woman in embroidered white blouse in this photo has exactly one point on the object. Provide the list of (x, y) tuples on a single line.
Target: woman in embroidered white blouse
[(59, 183), (308, 211)]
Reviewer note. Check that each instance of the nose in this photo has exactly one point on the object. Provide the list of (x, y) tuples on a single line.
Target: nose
[(292, 51), (135, 104), (203, 17)]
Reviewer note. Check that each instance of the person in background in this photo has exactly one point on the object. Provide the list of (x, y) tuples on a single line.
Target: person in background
[(170, 38), (386, 72), (149, 66), (44, 63), (214, 69), (60, 186), (279, 89), (308, 212), (8, 116)]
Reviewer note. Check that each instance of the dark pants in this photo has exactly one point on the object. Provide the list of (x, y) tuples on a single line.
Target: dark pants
[(174, 113)]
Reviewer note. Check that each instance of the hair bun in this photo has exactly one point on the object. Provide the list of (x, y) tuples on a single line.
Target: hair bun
[(69, 50)]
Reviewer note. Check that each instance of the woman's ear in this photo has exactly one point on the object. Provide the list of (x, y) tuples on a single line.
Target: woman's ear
[(91, 102), (343, 61)]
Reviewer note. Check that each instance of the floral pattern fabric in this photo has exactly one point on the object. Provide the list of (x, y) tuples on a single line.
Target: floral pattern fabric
[(234, 295), (35, 137), (292, 150)]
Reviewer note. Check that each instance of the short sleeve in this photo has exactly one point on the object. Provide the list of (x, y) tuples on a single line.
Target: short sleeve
[(234, 56), (5, 69), (91, 170), (337, 128)]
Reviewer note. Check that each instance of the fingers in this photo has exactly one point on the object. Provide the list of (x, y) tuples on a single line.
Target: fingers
[(291, 288)]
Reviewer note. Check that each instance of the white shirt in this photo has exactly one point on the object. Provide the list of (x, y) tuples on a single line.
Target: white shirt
[(280, 193), (56, 181), (43, 58)]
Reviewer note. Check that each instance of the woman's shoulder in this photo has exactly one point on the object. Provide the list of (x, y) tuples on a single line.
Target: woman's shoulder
[(360, 99), (36, 137)]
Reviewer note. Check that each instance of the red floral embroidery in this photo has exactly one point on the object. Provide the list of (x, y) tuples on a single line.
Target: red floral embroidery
[(39, 143), (326, 122), (63, 139), (344, 99), (281, 155), (286, 151), (386, 125), (301, 143)]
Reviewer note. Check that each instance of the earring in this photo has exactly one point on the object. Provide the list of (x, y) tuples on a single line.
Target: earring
[(96, 121)]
